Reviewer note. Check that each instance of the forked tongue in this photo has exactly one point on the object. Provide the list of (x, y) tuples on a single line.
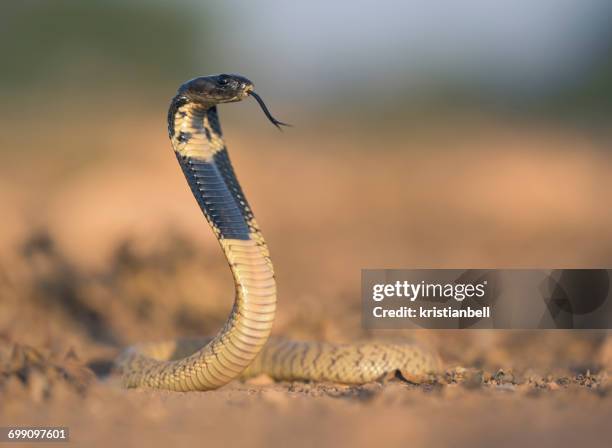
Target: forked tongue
[(263, 106)]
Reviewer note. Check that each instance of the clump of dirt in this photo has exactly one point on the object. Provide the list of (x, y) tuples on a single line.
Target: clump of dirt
[(48, 300), (56, 285), (31, 374)]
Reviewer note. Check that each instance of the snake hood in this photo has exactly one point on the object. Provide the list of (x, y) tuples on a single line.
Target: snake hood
[(223, 88)]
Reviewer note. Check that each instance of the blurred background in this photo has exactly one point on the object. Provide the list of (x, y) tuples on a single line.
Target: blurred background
[(470, 134)]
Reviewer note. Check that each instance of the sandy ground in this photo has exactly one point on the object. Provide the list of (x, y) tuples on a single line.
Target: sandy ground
[(105, 248)]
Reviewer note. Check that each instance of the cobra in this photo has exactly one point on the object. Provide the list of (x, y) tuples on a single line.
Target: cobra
[(242, 347)]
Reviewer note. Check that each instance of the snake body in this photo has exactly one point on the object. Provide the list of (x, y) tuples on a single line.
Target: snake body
[(242, 348)]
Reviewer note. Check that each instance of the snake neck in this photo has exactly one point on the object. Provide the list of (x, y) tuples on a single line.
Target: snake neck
[(196, 137)]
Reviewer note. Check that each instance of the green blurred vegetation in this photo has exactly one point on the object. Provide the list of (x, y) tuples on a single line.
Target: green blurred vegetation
[(67, 50), (96, 43)]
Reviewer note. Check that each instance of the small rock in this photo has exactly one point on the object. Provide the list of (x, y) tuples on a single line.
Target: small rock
[(473, 379), (502, 377), (260, 380), (276, 398)]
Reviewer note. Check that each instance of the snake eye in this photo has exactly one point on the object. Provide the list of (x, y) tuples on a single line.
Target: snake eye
[(223, 80)]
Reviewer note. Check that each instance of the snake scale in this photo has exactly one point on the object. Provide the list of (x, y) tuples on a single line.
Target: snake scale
[(242, 347)]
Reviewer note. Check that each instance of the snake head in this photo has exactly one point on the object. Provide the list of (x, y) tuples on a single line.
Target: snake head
[(216, 89), (223, 88)]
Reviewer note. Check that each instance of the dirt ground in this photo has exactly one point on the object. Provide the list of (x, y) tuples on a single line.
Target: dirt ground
[(102, 246)]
